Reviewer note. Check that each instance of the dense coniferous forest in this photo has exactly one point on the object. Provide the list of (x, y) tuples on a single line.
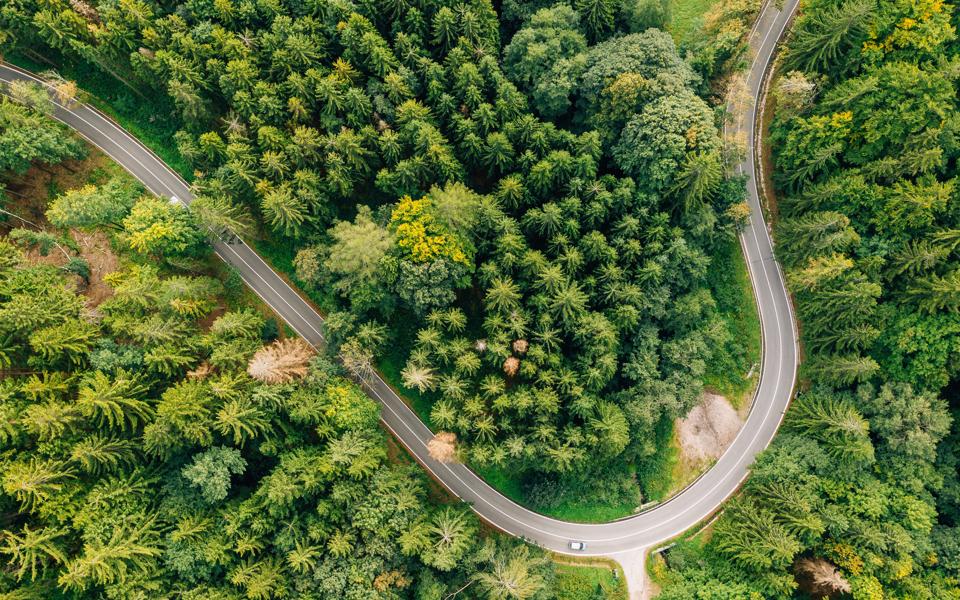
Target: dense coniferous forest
[(859, 494), (159, 441), (532, 236), (526, 238), (512, 208)]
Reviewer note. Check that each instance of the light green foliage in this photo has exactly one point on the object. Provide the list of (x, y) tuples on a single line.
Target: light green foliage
[(640, 15), (513, 573), (354, 258), (32, 550), (588, 583), (94, 206), (219, 216), (67, 342), (158, 228), (921, 349), (41, 241), (27, 136), (858, 496), (211, 470), (129, 476), (908, 425)]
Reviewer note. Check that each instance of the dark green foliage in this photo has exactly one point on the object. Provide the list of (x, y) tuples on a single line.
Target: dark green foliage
[(27, 136), (824, 39), (551, 34), (544, 282), (143, 461), (869, 172), (670, 135), (858, 497), (561, 307), (640, 15)]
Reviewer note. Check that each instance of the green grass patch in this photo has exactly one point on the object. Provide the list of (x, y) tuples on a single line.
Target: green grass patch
[(686, 16), (390, 365), (655, 473), (151, 119), (502, 481), (590, 512), (278, 255), (687, 550), (576, 582), (578, 504), (730, 284)]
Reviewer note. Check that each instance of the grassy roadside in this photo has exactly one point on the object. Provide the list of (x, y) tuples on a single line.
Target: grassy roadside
[(582, 579), (685, 15), (727, 374), (686, 547), (582, 509)]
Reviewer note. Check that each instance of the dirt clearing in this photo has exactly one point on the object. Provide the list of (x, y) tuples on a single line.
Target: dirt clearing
[(707, 431), (95, 249)]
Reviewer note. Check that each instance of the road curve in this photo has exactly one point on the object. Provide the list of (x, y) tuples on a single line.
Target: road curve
[(643, 530)]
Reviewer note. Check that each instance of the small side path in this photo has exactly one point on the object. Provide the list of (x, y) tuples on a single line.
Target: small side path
[(633, 564)]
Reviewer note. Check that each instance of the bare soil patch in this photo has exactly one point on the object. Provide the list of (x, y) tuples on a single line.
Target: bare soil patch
[(707, 431), (31, 192), (96, 250)]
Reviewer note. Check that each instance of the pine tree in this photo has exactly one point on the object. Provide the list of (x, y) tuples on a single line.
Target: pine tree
[(240, 420), (596, 16), (281, 362), (697, 181), (825, 35), (512, 575), (32, 551), (834, 422), (221, 218), (420, 377), (34, 482), (934, 293), (68, 342), (814, 234), (130, 548), (450, 535), (115, 403), (96, 454), (749, 534)]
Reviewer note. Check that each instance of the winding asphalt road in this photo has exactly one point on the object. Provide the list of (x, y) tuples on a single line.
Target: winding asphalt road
[(635, 533)]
